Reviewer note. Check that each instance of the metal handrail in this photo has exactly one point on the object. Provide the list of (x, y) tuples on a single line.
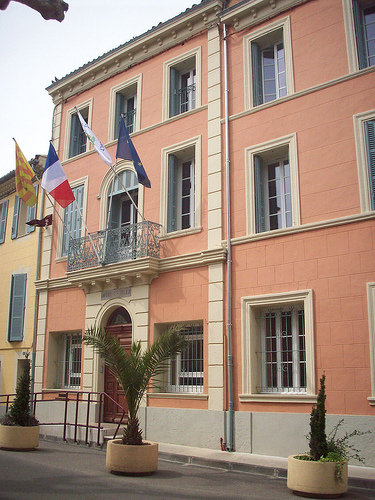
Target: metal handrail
[(77, 397)]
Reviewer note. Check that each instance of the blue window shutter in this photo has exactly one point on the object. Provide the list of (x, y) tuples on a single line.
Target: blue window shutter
[(370, 144), (17, 307), (75, 129), (172, 193), (31, 211), (3, 220), (259, 195), (256, 65), (360, 35), (120, 102), (15, 217), (173, 92)]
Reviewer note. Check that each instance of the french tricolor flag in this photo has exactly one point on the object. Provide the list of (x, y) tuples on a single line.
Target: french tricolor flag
[(54, 180)]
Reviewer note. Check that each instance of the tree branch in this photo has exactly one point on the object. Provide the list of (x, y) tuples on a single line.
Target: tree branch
[(49, 9)]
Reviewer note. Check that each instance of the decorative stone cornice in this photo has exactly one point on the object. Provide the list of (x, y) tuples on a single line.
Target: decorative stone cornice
[(137, 50), (130, 273), (250, 13)]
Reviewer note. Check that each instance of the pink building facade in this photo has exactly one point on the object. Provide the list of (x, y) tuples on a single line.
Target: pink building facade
[(254, 121)]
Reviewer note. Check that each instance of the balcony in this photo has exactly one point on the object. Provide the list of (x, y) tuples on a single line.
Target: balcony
[(115, 245)]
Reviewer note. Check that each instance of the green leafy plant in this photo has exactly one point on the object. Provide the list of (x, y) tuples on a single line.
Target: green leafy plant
[(135, 368), (329, 448), (19, 412)]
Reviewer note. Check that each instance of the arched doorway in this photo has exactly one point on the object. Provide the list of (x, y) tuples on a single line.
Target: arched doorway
[(119, 326)]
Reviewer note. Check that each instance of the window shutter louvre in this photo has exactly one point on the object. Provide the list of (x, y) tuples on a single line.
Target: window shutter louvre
[(370, 143), (173, 92), (15, 217), (120, 99), (31, 212), (17, 307), (360, 35), (74, 136), (259, 195), (256, 64), (172, 193), (72, 219), (3, 220)]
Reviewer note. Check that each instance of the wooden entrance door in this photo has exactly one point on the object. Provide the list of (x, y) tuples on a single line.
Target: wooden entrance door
[(112, 412)]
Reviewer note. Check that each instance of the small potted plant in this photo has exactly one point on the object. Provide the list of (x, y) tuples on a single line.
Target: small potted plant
[(323, 472), (19, 429), (134, 370)]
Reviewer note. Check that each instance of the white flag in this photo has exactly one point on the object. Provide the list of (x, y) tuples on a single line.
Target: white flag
[(100, 149)]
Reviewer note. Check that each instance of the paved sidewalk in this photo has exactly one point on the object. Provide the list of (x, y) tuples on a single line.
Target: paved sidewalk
[(360, 477)]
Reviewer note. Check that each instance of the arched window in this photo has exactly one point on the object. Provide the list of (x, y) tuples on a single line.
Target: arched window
[(121, 210), (119, 317)]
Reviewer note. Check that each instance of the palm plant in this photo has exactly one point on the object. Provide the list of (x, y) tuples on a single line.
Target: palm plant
[(135, 368)]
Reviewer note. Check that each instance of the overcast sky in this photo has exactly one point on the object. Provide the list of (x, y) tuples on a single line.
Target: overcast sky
[(34, 51)]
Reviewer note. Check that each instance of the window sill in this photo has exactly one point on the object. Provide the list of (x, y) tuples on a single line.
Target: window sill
[(183, 232), (278, 398), (178, 395), (61, 259), (371, 400)]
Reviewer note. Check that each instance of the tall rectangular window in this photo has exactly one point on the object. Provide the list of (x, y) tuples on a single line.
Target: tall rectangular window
[(185, 373), (268, 64), (126, 106), (17, 307), (370, 150), (182, 84), (78, 139), (272, 194), (72, 219), (22, 214), (71, 359), (283, 351), (181, 199), (3, 219), (364, 22)]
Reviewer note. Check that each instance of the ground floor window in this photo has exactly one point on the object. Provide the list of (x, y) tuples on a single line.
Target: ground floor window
[(185, 371), (65, 360)]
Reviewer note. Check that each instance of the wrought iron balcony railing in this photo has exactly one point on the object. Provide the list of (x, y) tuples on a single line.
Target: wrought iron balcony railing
[(115, 245)]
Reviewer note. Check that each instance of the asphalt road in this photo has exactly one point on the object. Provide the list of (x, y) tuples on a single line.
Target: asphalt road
[(62, 471)]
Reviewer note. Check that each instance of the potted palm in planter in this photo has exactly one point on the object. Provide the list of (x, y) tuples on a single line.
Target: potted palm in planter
[(134, 370), (19, 429), (323, 472)]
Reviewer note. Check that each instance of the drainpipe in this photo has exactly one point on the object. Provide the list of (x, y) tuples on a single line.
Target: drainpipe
[(229, 254), (36, 304)]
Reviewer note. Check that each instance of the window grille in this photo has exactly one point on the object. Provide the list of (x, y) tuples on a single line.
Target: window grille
[(283, 351), (69, 361), (185, 373)]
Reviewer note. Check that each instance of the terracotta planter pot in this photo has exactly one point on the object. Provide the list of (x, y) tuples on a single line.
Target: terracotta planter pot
[(130, 459), (316, 478), (14, 437)]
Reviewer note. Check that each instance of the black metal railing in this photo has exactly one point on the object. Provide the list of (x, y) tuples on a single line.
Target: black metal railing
[(77, 399), (115, 245)]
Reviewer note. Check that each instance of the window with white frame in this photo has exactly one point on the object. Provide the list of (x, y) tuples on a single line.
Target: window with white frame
[(272, 199), (283, 352), (364, 22), (181, 187), (268, 64), (278, 347), (78, 139), (185, 370), (65, 360), (125, 102), (17, 307), (72, 227), (371, 319), (3, 219), (182, 84), (364, 127), (23, 213)]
